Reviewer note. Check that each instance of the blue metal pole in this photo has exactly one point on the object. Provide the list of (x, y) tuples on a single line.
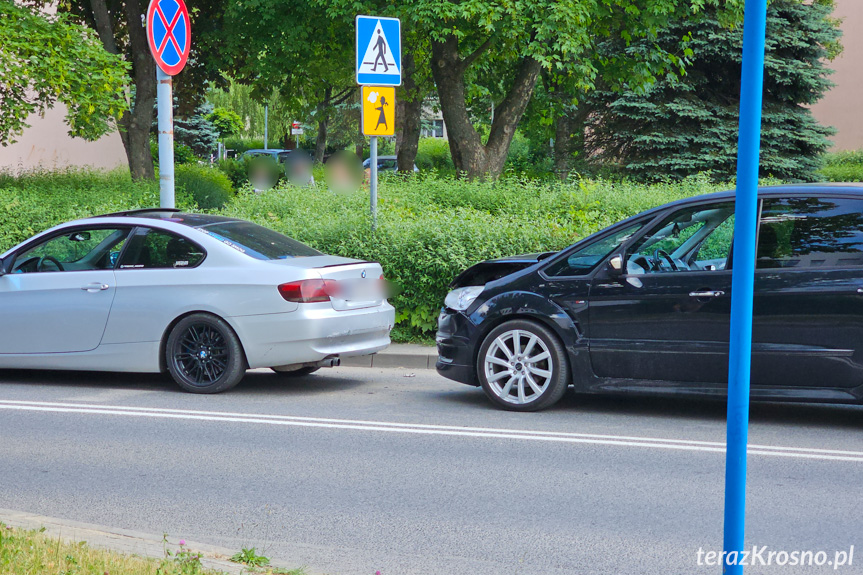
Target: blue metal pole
[(743, 280)]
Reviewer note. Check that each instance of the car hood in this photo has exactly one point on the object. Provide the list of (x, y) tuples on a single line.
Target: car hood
[(490, 270)]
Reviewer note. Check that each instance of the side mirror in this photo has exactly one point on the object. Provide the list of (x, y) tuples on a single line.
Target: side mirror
[(3, 264), (615, 265)]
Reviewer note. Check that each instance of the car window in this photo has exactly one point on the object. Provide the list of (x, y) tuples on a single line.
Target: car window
[(81, 250), (698, 238), (257, 241), (158, 249), (583, 260), (805, 233)]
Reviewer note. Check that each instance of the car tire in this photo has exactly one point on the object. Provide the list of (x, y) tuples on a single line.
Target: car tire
[(522, 366), (296, 372), (204, 355)]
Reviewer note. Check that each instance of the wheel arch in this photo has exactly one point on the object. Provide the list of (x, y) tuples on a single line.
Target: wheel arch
[(163, 344), (531, 307)]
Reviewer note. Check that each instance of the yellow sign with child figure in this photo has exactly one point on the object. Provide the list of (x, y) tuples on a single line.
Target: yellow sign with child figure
[(379, 111)]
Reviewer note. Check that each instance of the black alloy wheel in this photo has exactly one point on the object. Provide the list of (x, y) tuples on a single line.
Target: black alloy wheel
[(204, 355)]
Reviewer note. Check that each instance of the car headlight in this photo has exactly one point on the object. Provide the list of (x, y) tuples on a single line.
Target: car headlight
[(461, 298)]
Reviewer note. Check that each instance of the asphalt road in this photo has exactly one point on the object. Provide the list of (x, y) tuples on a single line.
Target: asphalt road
[(349, 471)]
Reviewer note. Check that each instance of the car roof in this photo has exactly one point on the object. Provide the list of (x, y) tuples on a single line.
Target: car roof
[(802, 189), (169, 215)]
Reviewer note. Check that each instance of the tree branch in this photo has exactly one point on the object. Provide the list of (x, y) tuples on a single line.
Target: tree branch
[(343, 96), (103, 25), (467, 61)]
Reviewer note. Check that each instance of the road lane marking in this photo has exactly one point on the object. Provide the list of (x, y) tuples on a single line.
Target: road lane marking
[(427, 429)]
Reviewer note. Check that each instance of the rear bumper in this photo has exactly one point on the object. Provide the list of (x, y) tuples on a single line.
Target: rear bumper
[(455, 346), (312, 333)]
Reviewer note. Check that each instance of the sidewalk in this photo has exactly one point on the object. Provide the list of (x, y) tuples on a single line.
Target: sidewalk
[(408, 355)]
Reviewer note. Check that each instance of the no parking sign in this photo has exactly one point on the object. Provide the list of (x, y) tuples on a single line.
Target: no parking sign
[(169, 33)]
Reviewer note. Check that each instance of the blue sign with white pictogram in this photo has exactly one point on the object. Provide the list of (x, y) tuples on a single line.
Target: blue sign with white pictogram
[(379, 51), (169, 34)]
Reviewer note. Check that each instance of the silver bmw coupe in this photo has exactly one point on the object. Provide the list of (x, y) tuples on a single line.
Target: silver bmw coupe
[(202, 297)]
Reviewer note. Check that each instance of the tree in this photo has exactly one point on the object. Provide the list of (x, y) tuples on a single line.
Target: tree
[(197, 131), (119, 26), (47, 59), (227, 122), (502, 46), (682, 126), (295, 49)]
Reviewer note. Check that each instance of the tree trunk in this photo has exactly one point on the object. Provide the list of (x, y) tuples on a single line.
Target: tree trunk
[(568, 138), (409, 120), (468, 153), (135, 123), (323, 116)]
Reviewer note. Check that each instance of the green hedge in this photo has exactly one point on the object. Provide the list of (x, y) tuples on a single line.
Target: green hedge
[(33, 202), (430, 229), (210, 188), (843, 167)]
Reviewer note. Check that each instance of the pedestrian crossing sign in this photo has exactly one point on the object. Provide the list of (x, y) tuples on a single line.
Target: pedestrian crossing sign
[(379, 110), (379, 51)]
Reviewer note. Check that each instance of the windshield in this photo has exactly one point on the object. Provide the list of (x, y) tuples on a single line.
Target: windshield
[(257, 241), (583, 261)]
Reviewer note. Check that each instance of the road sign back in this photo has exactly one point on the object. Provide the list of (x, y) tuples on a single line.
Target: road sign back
[(379, 111), (379, 51), (169, 33)]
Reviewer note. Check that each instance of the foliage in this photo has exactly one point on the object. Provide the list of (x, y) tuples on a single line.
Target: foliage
[(183, 154), (47, 59), (682, 126), (250, 557), (843, 167), (208, 187), (197, 131), (430, 229), (227, 122), (434, 153), (35, 201), (25, 552)]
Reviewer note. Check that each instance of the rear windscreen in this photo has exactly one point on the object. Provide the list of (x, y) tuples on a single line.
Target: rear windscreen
[(257, 241)]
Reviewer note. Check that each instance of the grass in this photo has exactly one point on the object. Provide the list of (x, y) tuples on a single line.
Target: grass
[(29, 552)]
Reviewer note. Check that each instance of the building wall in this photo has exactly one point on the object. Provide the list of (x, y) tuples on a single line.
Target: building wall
[(47, 145), (840, 107)]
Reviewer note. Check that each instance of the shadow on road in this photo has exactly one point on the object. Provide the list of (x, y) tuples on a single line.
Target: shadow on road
[(254, 383), (680, 408)]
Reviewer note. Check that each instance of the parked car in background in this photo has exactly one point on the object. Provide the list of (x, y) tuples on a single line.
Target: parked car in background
[(276, 154), (644, 306), (202, 297), (386, 164)]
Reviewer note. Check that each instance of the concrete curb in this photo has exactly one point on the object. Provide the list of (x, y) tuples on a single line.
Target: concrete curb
[(406, 355), (127, 541)]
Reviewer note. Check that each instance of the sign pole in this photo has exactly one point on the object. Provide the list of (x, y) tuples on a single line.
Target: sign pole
[(164, 96), (373, 181), (743, 282), (169, 36)]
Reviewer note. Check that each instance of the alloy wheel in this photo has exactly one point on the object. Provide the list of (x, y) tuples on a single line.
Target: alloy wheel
[(518, 366), (201, 355)]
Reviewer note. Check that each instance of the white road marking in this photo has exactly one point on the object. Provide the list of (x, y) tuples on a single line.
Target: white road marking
[(426, 429)]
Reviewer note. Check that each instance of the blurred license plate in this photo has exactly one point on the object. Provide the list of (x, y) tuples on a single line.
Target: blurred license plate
[(361, 290)]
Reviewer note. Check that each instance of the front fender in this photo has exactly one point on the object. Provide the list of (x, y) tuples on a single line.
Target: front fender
[(528, 305)]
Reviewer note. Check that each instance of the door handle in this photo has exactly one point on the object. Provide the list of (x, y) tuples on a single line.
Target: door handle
[(859, 290), (95, 287), (706, 293)]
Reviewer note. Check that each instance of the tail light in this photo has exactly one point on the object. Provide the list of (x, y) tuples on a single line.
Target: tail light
[(309, 291)]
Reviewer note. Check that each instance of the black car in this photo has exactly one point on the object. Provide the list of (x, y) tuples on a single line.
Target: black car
[(644, 306)]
